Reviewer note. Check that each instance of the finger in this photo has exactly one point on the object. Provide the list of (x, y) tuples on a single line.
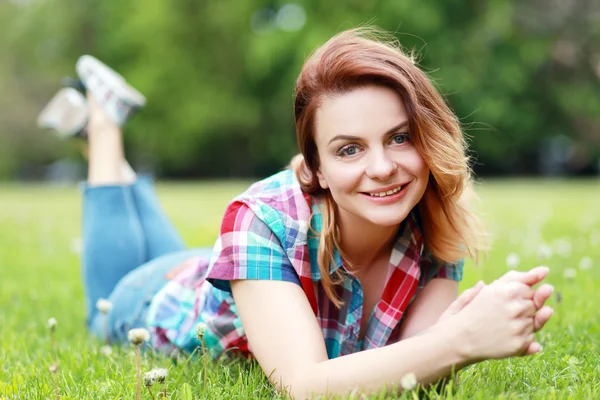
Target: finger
[(520, 290), (465, 297), (542, 294), (542, 316), (531, 277), (529, 310), (533, 348)]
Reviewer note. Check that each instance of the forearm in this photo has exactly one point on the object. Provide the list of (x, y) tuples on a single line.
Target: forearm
[(430, 356)]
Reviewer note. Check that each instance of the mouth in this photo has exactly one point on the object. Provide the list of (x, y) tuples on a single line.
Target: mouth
[(385, 193)]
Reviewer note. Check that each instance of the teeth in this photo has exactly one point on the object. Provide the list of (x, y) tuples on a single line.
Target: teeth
[(388, 193)]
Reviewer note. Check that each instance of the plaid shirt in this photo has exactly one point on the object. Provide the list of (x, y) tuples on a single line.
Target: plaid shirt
[(265, 235)]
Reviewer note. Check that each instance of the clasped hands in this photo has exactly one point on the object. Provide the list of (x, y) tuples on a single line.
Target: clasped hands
[(509, 311)]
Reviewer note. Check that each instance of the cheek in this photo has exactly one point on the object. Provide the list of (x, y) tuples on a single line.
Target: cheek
[(342, 178)]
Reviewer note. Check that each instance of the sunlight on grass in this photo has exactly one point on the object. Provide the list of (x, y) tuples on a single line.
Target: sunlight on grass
[(531, 222)]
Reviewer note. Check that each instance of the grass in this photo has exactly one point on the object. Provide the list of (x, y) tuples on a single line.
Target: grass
[(40, 278)]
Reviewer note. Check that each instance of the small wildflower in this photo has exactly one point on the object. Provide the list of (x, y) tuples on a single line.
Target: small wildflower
[(570, 273), (149, 378), (585, 263), (52, 324), (106, 351), (200, 330), (160, 374), (544, 251), (137, 336), (563, 247), (104, 306), (513, 260), (53, 368), (408, 381)]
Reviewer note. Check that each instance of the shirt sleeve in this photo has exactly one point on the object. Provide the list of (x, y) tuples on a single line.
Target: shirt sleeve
[(431, 268), (247, 249)]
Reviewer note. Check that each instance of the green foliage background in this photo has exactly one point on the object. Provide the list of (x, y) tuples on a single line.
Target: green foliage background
[(220, 94)]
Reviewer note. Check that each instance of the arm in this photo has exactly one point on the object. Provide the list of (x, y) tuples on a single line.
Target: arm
[(428, 306), (288, 344)]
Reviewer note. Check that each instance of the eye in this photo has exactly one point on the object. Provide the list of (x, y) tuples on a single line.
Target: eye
[(400, 138), (348, 150)]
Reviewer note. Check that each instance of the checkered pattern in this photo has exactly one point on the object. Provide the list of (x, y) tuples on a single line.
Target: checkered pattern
[(265, 235)]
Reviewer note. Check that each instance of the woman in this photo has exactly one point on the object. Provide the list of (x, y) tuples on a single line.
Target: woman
[(337, 274)]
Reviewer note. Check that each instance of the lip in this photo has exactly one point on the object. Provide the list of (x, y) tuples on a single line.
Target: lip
[(388, 199)]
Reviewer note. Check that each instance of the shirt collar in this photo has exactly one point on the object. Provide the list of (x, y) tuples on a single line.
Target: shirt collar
[(409, 238)]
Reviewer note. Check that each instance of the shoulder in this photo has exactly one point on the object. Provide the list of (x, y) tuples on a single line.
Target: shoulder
[(276, 202)]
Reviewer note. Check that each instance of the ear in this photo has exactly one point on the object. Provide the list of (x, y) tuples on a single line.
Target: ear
[(322, 181)]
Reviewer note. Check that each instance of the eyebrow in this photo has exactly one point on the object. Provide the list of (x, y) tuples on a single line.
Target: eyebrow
[(402, 124)]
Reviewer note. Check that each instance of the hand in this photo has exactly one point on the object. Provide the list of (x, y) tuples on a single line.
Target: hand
[(499, 321), (541, 294), (530, 278)]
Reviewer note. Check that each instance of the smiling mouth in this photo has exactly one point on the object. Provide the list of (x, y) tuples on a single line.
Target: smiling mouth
[(388, 193)]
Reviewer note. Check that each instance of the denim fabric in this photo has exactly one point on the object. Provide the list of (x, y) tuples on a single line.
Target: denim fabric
[(128, 246), (134, 292)]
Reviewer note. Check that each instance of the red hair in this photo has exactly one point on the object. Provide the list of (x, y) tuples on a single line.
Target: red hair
[(356, 58)]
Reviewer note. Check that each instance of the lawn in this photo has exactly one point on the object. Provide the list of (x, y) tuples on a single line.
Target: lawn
[(554, 223)]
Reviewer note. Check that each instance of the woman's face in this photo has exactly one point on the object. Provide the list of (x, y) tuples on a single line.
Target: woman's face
[(367, 159)]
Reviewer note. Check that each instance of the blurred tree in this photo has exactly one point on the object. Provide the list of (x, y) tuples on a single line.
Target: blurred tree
[(219, 74)]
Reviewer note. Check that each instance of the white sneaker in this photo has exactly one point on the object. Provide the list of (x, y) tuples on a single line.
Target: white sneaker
[(116, 97), (67, 113)]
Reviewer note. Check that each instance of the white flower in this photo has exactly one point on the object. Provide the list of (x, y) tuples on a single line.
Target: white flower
[(52, 324), (53, 368), (106, 350), (104, 306), (155, 375), (137, 336), (570, 273), (544, 251), (408, 381), (513, 260), (149, 378), (563, 247), (200, 330), (585, 263)]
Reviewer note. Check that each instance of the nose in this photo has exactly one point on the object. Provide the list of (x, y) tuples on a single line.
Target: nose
[(381, 166)]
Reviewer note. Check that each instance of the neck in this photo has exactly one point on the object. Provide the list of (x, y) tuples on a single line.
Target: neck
[(363, 243)]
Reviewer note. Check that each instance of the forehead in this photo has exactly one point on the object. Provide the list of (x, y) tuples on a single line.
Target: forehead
[(364, 111)]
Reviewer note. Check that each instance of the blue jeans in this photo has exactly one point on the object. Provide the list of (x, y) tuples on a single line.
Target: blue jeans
[(129, 245)]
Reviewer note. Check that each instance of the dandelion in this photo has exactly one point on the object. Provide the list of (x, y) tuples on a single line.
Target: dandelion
[(52, 324), (106, 350), (585, 263), (158, 375), (200, 330), (513, 260), (570, 273), (544, 251), (54, 371), (563, 247), (137, 337), (149, 379), (408, 381), (104, 306)]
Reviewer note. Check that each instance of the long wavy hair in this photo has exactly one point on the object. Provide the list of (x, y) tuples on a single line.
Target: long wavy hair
[(365, 56)]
